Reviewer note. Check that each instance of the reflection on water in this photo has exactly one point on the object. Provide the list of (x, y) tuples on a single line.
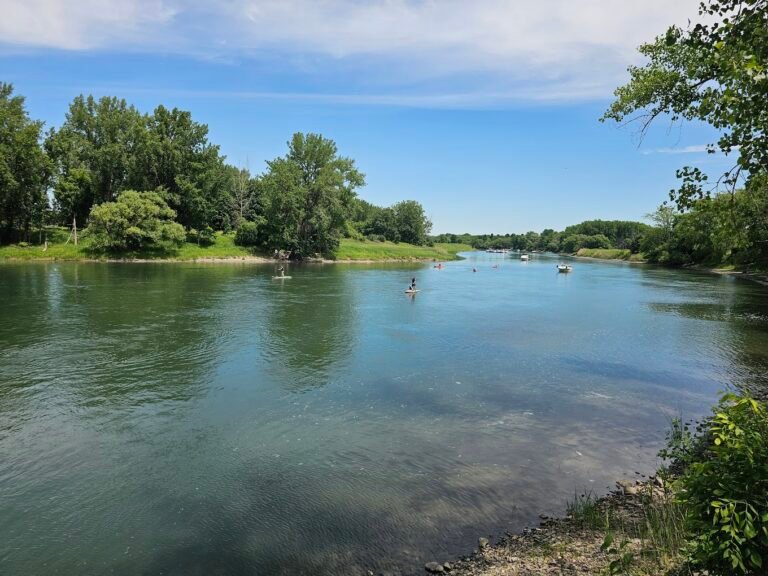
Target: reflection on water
[(151, 420)]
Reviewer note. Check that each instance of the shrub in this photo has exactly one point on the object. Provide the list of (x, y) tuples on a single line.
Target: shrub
[(725, 490), (204, 237), (248, 234), (136, 220)]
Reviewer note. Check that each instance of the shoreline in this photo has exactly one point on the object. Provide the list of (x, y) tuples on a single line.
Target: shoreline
[(571, 544), (759, 277), (229, 259)]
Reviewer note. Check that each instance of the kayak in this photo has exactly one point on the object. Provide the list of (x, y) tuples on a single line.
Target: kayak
[(281, 277)]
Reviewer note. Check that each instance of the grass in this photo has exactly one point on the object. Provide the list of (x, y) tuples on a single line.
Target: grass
[(610, 254), (657, 529), (369, 250), (223, 247), (60, 249)]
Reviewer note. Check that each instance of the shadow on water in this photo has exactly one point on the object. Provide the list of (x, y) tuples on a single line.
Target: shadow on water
[(310, 339), (743, 315)]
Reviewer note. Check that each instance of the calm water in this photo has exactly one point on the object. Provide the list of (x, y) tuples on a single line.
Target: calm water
[(187, 419)]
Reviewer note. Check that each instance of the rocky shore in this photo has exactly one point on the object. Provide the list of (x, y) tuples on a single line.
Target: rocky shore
[(576, 543)]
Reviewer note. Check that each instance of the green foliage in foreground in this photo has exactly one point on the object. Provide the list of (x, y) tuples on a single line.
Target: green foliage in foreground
[(367, 250), (724, 489), (715, 72)]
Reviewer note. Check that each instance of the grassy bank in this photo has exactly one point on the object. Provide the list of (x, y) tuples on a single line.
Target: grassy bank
[(59, 249), (223, 248), (367, 250), (610, 254)]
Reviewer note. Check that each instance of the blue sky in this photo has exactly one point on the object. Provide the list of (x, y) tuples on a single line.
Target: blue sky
[(484, 111)]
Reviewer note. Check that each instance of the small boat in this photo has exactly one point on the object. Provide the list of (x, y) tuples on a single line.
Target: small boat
[(564, 268), (524, 257)]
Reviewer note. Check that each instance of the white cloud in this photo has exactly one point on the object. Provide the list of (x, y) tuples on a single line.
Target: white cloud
[(696, 149), (81, 24), (541, 50)]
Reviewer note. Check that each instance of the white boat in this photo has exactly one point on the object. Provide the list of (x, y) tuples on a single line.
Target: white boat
[(524, 257), (564, 268)]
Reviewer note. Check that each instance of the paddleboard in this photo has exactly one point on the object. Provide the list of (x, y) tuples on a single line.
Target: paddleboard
[(281, 277), (412, 291)]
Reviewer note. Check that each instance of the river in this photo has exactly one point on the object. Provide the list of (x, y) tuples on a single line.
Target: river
[(198, 419)]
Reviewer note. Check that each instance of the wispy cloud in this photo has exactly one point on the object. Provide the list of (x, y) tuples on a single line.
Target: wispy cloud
[(695, 149), (472, 50)]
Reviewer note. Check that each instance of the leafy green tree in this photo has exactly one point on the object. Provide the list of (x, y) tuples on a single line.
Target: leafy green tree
[(714, 72), (24, 168), (175, 156), (411, 221), (136, 220), (243, 195), (305, 196), (382, 222), (574, 242), (249, 233), (93, 153)]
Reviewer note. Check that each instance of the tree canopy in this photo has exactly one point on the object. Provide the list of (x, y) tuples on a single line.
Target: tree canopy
[(306, 196), (24, 168), (716, 71)]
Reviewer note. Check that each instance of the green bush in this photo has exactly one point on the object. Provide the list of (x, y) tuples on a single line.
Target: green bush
[(248, 234), (724, 489), (204, 237), (136, 220)]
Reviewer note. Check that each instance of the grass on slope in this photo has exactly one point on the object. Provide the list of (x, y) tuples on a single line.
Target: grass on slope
[(224, 247), (59, 249), (369, 250)]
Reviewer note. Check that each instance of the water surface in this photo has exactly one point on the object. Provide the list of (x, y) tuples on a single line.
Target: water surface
[(198, 419)]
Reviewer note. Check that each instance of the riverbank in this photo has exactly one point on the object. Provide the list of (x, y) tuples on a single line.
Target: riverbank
[(610, 254), (629, 526), (222, 250)]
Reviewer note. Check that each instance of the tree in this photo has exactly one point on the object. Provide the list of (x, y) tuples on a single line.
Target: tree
[(306, 195), (175, 156), (243, 196), (715, 72), (24, 168), (136, 220), (412, 223), (93, 153), (382, 223)]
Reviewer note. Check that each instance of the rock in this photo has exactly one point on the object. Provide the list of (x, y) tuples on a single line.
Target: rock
[(659, 482), (628, 488), (447, 566), (482, 542), (434, 568)]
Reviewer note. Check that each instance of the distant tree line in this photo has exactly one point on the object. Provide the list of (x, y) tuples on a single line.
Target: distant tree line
[(140, 180), (717, 230), (589, 234)]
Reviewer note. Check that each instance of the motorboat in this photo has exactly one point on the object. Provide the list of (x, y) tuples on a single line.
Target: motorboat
[(524, 257), (564, 268)]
